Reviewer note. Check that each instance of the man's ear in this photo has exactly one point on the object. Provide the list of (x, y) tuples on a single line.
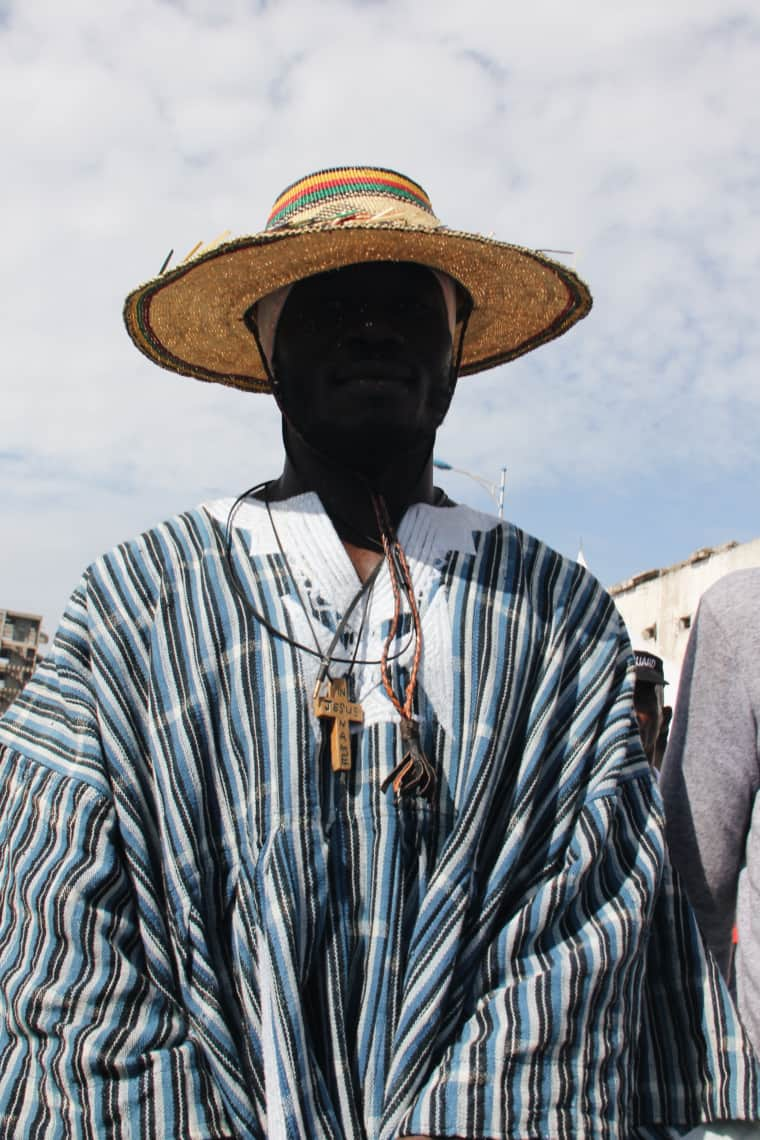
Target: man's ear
[(261, 321), (463, 312)]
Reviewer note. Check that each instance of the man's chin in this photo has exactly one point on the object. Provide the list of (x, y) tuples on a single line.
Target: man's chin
[(373, 447)]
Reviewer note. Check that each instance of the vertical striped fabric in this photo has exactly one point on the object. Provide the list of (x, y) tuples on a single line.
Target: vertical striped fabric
[(205, 934)]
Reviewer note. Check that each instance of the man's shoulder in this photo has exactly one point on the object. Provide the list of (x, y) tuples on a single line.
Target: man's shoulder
[(545, 560), (735, 595), (172, 541), (517, 539), (728, 625), (555, 587), (130, 577)]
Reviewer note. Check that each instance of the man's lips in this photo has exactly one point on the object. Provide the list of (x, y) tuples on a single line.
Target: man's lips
[(373, 372)]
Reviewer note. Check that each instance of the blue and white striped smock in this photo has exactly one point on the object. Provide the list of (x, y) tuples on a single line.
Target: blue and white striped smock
[(204, 933)]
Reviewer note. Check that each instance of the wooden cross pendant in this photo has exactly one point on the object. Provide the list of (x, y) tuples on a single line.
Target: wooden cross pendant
[(336, 706)]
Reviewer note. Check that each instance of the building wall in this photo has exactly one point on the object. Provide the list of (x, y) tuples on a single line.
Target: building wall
[(658, 606), (20, 639)]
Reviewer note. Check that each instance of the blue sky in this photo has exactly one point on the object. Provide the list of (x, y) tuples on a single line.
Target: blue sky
[(624, 132)]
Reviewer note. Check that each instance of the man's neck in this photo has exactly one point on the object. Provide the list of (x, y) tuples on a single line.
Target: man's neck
[(347, 495), (363, 561)]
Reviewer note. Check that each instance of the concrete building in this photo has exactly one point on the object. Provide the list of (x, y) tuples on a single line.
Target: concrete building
[(658, 606), (20, 639)]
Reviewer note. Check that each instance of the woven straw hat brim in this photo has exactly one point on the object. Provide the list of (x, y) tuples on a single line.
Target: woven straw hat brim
[(190, 319)]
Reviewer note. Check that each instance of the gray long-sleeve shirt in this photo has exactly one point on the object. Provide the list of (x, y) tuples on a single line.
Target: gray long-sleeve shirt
[(711, 777)]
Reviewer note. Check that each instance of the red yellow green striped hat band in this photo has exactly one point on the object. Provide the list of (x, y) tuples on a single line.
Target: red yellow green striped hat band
[(320, 193), (189, 319)]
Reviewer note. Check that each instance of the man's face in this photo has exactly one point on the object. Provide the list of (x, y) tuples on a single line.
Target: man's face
[(362, 359), (647, 701)]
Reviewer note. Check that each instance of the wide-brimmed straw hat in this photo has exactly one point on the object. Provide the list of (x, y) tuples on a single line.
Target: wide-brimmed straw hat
[(189, 319)]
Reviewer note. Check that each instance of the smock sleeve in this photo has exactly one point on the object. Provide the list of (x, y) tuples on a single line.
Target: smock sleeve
[(92, 1040), (593, 1010)]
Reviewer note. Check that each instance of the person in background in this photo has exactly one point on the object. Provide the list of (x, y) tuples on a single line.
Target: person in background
[(652, 714), (711, 779)]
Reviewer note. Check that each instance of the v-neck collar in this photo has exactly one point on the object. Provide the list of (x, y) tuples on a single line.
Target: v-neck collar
[(327, 582), (319, 559)]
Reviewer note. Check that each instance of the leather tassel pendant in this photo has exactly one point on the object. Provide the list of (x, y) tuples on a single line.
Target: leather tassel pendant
[(414, 774)]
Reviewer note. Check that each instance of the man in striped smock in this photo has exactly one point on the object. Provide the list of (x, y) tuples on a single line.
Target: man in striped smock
[(326, 815)]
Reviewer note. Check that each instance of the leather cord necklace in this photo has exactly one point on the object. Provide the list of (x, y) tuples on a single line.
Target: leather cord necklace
[(414, 774), (331, 697), (313, 652)]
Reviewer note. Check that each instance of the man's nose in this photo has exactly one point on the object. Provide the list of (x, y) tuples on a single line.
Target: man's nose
[(373, 328)]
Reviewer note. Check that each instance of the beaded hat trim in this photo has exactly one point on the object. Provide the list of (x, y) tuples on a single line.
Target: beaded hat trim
[(189, 319)]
